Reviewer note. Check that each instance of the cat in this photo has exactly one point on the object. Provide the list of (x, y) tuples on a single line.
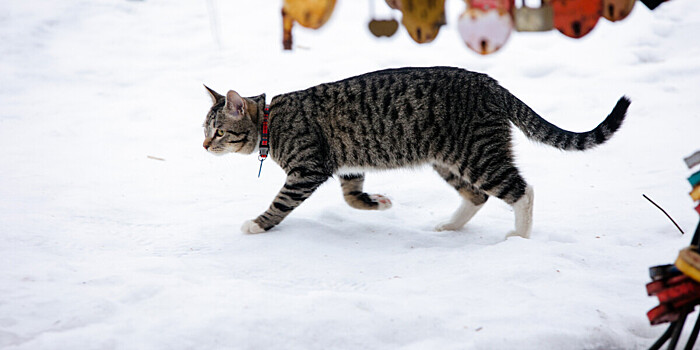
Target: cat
[(453, 119)]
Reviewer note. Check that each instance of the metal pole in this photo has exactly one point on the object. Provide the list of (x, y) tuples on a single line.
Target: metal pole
[(677, 331), (664, 337), (693, 335)]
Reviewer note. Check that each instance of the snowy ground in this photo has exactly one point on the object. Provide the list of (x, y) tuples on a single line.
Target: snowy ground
[(102, 247)]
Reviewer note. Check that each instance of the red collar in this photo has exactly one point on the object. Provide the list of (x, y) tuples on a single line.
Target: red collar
[(264, 134)]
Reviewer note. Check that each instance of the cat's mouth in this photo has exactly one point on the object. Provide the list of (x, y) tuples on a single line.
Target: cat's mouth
[(231, 147), (218, 151)]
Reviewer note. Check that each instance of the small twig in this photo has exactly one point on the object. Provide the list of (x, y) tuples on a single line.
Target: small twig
[(662, 210), (155, 158)]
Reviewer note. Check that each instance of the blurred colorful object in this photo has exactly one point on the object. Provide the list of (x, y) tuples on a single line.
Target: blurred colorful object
[(576, 18), (486, 24), (693, 161), (421, 18), (383, 27), (652, 4), (615, 10), (694, 179), (677, 286), (534, 19), (308, 13)]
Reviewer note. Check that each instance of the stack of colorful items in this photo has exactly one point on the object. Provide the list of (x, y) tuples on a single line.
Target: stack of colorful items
[(694, 179), (485, 25), (678, 286)]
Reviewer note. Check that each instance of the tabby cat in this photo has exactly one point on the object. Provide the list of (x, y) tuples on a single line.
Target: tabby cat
[(455, 120)]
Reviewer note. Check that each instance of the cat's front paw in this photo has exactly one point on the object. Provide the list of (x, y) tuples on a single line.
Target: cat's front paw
[(251, 227), (383, 203)]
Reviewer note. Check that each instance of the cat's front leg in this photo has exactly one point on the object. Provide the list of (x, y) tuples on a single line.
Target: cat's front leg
[(299, 185)]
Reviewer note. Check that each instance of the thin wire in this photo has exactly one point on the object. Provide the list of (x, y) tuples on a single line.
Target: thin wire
[(663, 211)]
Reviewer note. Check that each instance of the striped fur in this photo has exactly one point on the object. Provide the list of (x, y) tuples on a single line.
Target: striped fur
[(456, 120)]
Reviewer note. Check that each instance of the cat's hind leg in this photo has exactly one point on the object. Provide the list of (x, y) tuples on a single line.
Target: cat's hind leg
[(523, 214), (472, 200), (506, 183), (351, 185)]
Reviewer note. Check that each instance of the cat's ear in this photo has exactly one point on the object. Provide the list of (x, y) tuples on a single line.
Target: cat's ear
[(235, 104), (215, 96)]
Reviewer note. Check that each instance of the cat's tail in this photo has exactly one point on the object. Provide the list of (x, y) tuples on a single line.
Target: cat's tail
[(538, 129)]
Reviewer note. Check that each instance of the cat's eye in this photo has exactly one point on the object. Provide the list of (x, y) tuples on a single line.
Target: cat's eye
[(219, 133)]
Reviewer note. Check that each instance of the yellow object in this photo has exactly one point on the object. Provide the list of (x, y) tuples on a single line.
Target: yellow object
[(422, 18), (308, 13), (689, 263), (695, 193)]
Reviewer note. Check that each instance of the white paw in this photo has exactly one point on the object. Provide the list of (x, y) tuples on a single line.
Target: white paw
[(251, 227), (517, 234), (448, 226), (383, 203)]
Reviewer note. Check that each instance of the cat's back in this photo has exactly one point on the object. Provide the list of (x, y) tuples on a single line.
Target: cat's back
[(408, 73), (368, 86), (399, 77)]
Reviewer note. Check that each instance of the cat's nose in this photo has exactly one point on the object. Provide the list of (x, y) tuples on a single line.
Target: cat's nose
[(207, 143)]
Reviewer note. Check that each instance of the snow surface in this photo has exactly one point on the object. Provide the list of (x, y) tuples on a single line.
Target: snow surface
[(103, 247)]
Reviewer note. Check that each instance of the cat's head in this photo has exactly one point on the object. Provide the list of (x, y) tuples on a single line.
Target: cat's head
[(232, 124)]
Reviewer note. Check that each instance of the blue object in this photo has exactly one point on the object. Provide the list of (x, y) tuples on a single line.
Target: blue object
[(694, 179)]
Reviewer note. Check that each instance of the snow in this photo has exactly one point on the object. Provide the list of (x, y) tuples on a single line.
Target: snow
[(104, 247)]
